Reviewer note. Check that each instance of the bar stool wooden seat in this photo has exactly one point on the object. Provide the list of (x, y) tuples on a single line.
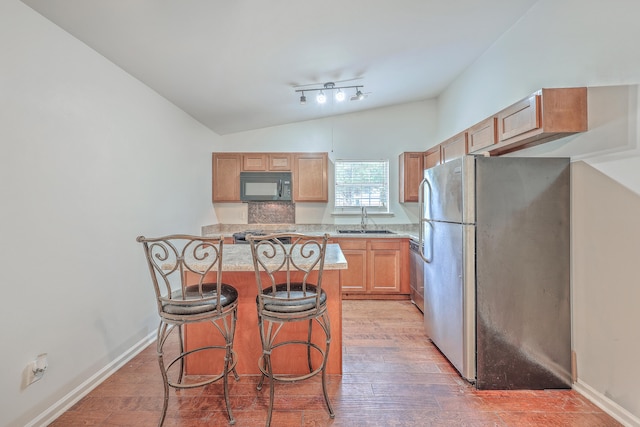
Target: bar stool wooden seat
[(178, 265), (289, 269)]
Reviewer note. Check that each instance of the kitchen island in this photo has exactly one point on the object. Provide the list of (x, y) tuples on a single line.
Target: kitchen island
[(238, 271)]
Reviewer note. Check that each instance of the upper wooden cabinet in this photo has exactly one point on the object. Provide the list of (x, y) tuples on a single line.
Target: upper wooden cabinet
[(310, 182), (411, 168), (482, 135), (454, 147), (266, 162), (546, 115), (431, 157), (226, 177), (254, 162), (519, 118), (279, 161), (309, 173)]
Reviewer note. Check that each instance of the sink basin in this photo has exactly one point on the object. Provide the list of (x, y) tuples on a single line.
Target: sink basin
[(365, 231)]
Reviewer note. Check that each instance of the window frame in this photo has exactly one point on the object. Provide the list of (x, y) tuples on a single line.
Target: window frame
[(384, 209)]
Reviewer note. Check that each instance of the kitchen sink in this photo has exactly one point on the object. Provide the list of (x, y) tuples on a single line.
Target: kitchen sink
[(365, 231)]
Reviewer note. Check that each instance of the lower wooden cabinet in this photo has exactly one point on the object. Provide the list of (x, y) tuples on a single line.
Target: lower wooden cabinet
[(377, 268), (354, 278), (384, 261)]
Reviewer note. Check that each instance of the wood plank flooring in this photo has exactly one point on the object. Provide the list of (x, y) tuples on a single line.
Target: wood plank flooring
[(392, 376)]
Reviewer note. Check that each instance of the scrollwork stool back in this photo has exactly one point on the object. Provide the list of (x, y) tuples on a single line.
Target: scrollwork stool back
[(182, 267), (289, 280)]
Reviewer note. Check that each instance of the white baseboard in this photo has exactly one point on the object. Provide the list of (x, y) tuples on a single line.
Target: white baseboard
[(609, 406), (95, 380)]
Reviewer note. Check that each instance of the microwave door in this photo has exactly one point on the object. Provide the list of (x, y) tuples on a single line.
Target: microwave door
[(265, 186), (261, 190)]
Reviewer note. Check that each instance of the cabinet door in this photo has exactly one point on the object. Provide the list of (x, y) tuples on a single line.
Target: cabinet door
[(454, 147), (431, 157), (483, 135), (279, 161), (410, 176), (254, 162), (354, 278), (310, 177), (226, 177), (521, 117), (384, 266)]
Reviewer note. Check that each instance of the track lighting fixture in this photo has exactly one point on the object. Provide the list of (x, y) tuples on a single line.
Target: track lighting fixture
[(339, 95)]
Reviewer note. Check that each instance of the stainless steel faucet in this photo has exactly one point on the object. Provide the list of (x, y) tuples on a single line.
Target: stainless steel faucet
[(363, 218)]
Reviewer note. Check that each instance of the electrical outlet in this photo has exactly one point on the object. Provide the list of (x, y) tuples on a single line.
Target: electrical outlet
[(36, 369)]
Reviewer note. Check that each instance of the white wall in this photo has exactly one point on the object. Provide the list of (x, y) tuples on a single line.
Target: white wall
[(375, 134), (581, 43), (91, 158)]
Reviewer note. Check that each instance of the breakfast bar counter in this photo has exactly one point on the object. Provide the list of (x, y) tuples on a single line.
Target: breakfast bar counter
[(238, 271)]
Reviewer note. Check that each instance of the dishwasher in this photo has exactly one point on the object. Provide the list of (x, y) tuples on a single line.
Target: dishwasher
[(416, 275)]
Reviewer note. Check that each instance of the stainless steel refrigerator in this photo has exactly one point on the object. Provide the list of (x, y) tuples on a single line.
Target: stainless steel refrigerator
[(495, 238)]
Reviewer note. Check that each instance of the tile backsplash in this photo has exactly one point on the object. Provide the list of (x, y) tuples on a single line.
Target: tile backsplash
[(271, 213)]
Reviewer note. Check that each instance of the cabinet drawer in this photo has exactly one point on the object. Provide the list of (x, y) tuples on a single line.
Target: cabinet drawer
[(521, 117), (385, 245), (352, 243)]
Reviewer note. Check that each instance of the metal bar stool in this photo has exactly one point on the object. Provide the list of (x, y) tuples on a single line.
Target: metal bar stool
[(181, 267), (289, 270)]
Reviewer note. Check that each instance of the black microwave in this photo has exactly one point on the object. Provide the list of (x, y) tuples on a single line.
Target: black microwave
[(265, 186)]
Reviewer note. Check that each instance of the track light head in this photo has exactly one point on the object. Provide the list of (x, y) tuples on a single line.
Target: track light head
[(339, 94)]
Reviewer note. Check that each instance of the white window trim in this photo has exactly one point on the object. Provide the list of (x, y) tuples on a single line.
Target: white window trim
[(358, 213), (379, 211)]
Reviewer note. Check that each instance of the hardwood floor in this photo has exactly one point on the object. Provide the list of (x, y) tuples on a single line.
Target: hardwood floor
[(392, 376)]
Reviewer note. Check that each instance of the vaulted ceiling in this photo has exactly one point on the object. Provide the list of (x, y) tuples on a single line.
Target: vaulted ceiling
[(234, 65)]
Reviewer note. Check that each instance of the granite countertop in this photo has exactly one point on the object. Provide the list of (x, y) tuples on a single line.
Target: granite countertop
[(238, 258), (400, 231)]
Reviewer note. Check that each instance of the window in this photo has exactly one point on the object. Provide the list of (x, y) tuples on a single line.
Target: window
[(362, 183)]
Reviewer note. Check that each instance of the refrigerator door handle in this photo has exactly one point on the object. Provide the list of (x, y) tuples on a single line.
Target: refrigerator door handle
[(423, 219), (423, 246), (420, 209)]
